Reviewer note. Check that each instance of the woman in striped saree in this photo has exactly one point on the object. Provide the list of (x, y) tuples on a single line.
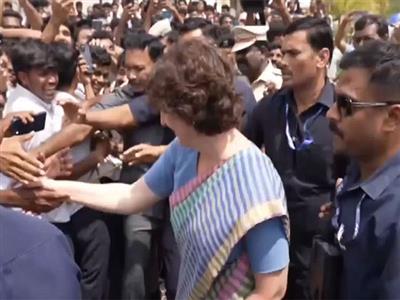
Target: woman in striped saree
[(228, 207)]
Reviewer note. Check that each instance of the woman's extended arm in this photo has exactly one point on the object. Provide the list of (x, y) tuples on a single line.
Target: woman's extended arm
[(114, 197)]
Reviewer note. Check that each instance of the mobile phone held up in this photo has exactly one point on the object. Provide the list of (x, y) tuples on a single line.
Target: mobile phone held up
[(18, 127)]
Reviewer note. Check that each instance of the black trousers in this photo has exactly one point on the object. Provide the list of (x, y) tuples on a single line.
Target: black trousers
[(91, 243), (170, 260), (299, 285)]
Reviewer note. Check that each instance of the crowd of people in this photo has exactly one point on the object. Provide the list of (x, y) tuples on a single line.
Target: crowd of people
[(180, 150)]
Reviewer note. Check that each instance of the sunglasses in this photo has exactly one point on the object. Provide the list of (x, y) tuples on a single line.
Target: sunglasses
[(346, 104)]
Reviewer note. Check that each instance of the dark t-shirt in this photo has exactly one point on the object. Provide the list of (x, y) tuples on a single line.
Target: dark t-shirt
[(149, 131), (36, 261)]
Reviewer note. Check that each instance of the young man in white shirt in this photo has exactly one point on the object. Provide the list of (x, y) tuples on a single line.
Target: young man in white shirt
[(37, 72)]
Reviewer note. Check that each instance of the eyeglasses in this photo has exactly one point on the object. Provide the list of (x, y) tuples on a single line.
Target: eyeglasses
[(346, 104)]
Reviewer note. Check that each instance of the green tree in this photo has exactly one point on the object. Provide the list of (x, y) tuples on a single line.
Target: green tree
[(341, 7)]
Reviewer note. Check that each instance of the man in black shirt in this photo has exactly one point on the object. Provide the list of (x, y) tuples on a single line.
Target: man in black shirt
[(293, 128)]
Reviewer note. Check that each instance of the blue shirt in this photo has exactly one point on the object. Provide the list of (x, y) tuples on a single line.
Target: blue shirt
[(36, 261), (265, 244), (371, 260)]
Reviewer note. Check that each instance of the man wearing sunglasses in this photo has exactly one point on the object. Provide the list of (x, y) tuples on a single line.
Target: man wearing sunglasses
[(366, 126), (293, 128)]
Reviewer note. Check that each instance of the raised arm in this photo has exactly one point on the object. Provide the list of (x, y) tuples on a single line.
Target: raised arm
[(61, 9), (340, 38), (73, 134), (24, 33), (32, 15), (112, 118), (117, 198), (281, 8)]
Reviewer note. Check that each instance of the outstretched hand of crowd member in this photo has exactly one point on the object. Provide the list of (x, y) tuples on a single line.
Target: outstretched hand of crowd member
[(5, 123), (270, 88), (111, 49), (396, 35), (37, 199), (59, 165), (326, 211), (129, 12), (16, 163), (73, 111), (3, 80), (61, 9), (83, 71), (142, 154), (102, 146)]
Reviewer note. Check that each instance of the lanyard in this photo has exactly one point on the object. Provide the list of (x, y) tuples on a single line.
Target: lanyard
[(340, 232), (308, 139)]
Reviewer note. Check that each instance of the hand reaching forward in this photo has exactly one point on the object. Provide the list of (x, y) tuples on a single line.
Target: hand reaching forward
[(16, 163)]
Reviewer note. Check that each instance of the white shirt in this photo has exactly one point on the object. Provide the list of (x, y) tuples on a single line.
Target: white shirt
[(20, 99), (111, 167), (270, 74)]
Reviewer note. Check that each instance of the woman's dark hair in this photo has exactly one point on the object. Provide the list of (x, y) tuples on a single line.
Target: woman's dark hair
[(366, 20), (67, 61), (319, 33), (196, 83), (142, 41)]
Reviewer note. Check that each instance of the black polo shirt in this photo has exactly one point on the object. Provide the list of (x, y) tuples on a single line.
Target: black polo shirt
[(306, 171), (148, 131), (368, 216)]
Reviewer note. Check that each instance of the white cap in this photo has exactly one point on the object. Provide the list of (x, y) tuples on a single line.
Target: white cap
[(246, 36), (160, 28)]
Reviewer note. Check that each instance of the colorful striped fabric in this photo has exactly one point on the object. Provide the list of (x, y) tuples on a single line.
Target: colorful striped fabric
[(212, 213)]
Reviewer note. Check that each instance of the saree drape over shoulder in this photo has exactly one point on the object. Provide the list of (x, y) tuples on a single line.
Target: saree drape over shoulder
[(212, 213)]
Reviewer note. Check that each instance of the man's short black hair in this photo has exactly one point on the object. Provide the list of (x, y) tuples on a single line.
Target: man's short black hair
[(67, 61), (383, 60), (191, 24), (225, 7), (12, 13), (225, 16), (142, 41), (274, 46), (85, 24), (100, 56), (381, 23), (276, 29), (319, 33), (97, 6), (102, 35), (210, 8), (30, 54), (173, 36), (107, 5), (78, 3), (222, 37)]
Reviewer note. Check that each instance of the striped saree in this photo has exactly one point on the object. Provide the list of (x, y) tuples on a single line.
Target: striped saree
[(212, 213)]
